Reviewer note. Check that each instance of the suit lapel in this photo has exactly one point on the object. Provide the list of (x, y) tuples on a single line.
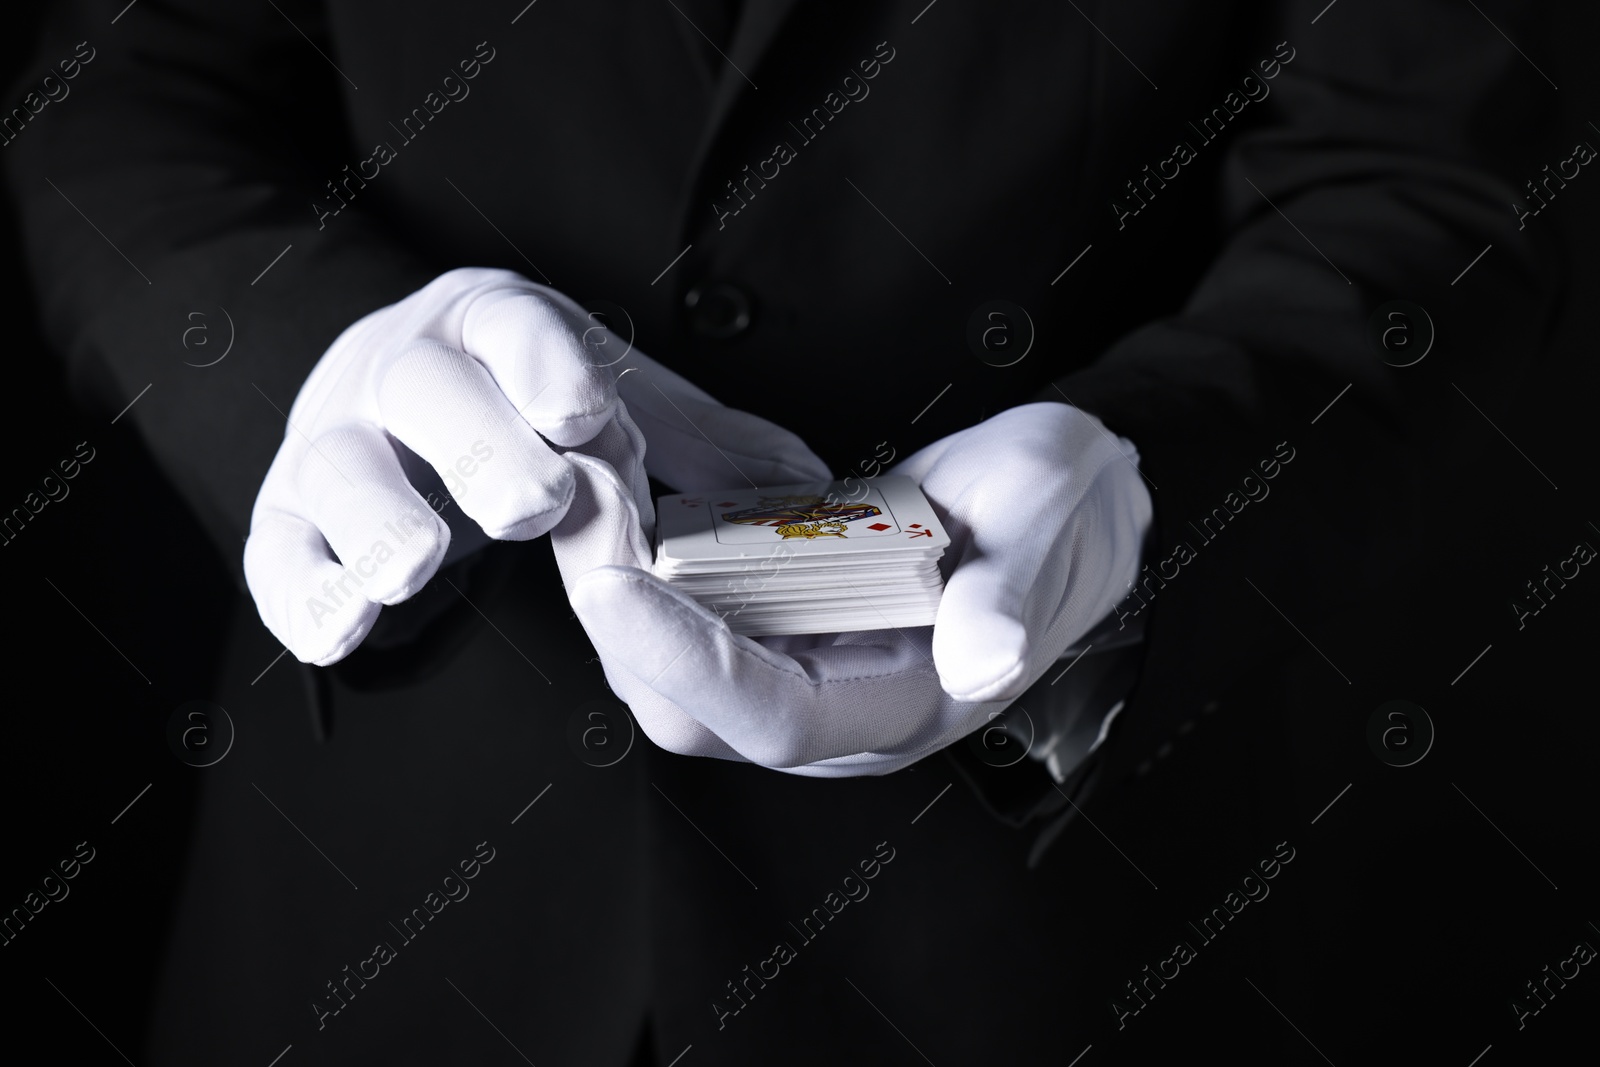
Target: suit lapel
[(701, 25), (759, 24)]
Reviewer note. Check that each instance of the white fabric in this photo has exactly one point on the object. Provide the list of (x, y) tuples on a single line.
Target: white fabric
[(1047, 513), (471, 387)]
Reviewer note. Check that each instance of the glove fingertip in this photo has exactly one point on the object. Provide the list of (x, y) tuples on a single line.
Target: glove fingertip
[(334, 646), (579, 428), (605, 585), (980, 660)]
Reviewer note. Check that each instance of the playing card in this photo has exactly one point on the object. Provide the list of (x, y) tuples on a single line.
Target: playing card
[(793, 586), (822, 557), (815, 519), (755, 626), (803, 514)]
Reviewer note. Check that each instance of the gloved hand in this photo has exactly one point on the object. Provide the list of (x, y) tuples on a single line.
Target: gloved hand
[(1047, 515), (467, 390)]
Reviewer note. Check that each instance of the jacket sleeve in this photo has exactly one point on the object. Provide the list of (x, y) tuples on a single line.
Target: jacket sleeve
[(166, 199), (1286, 457)]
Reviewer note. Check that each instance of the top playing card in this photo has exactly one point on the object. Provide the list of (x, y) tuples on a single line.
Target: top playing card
[(818, 518)]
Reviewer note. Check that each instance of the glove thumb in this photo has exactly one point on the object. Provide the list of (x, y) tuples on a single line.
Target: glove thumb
[(698, 444)]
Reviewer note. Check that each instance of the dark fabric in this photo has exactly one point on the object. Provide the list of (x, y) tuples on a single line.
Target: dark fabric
[(307, 849), (708, 26), (1000, 175), (638, 889), (597, 152)]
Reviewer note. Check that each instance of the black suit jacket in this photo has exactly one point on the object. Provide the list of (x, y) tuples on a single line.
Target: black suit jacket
[(1190, 211)]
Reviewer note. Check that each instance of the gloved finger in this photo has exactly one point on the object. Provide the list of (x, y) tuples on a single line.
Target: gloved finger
[(980, 638), (777, 710), (698, 444), (621, 447), (352, 488), (1023, 589), (600, 529), (917, 465), (533, 347), (309, 602), (601, 526), (447, 408)]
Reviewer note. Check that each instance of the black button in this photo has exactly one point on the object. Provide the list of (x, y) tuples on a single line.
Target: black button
[(717, 310)]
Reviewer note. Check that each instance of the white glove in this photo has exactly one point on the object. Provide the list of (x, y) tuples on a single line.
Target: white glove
[(1047, 515), (458, 382)]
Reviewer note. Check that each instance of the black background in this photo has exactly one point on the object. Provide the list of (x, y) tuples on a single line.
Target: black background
[(1407, 917)]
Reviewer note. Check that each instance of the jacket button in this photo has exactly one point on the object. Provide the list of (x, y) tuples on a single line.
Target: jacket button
[(717, 310)]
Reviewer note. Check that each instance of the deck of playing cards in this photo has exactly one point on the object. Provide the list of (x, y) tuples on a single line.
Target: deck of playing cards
[(822, 557)]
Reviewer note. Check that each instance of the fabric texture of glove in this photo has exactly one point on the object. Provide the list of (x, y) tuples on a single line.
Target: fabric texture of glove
[(1047, 514), (438, 423)]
